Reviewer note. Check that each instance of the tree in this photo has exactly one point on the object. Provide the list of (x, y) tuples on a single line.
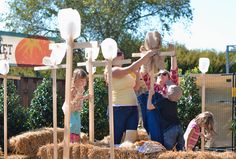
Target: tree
[(100, 19)]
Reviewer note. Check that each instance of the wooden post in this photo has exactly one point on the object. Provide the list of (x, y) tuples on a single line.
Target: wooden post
[(5, 77), (5, 115), (54, 92), (111, 118), (203, 109), (91, 99), (69, 57)]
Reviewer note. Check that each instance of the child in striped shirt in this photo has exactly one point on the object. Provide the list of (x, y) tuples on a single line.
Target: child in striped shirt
[(191, 135)]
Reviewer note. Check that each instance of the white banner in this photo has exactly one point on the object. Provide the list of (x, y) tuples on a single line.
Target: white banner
[(24, 50)]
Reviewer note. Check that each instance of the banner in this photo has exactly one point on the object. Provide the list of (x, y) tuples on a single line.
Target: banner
[(24, 50)]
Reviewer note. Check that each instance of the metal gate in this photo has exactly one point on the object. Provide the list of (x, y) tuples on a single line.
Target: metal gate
[(220, 101)]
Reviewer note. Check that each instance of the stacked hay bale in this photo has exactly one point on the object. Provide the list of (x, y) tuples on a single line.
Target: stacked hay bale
[(28, 143), (87, 151), (197, 155)]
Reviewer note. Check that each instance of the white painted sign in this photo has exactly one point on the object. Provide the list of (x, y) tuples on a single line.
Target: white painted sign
[(24, 50)]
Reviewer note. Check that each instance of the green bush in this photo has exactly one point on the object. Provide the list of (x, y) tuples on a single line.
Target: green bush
[(16, 114), (41, 107), (101, 124), (190, 103)]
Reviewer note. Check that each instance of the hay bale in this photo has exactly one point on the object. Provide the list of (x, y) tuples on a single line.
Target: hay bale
[(46, 151), (197, 155), (96, 152), (28, 143)]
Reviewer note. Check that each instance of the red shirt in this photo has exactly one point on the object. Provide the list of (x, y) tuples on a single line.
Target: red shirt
[(157, 88)]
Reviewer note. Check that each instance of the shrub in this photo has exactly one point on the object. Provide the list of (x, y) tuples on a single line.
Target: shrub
[(101, 125), (41, 107), (16, 114), (190, 103)]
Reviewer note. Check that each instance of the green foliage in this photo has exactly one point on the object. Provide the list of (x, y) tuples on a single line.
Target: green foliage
[(16, 114), (101, 125), (100, 19), (41, 107), (190, 103)]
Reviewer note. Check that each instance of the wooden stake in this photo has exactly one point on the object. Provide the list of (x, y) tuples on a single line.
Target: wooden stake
[(5, 77), (203, 110), (69, 57), (54, 92), (5, 115), (111, 118), (91, 99)]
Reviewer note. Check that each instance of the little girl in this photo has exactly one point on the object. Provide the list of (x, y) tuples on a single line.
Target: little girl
[(79, 81), (206, 120)]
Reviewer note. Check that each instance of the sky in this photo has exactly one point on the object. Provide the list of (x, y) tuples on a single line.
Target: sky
[(213, 25)]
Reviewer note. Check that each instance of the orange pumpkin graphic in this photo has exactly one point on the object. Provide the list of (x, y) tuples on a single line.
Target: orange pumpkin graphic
[(30, 51)]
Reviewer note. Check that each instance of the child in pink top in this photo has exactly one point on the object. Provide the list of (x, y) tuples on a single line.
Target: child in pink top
[(191, 135)]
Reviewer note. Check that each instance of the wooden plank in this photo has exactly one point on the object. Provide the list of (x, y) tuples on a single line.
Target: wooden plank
[(104, 63), (163, 53), (39, 68), (10, 77), (77, 45)]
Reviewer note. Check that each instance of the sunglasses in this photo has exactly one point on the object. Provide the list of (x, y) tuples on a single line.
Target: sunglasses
[(163, 74), (120, 53)]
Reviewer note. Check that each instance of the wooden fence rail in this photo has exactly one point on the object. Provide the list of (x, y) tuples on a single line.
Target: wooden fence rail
[(27, 85)]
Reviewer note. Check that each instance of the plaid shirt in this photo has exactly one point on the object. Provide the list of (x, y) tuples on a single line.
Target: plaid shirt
[(157, 88)]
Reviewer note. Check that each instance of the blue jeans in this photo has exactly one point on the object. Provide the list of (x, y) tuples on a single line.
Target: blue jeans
[(125, 118), (151, 118), (153, 124), (174, 136)]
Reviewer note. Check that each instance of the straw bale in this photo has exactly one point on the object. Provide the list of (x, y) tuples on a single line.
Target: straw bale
[(28, 143), (197, 155), (76, 151), (10, 156), (95, 152), (46, 151), (125, 153), (88, 151)]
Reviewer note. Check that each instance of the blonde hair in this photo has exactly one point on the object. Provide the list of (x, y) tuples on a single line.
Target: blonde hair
[(78, 74), (207, 119)]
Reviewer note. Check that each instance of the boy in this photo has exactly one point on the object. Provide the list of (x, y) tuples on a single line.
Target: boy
[(171, 129)]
